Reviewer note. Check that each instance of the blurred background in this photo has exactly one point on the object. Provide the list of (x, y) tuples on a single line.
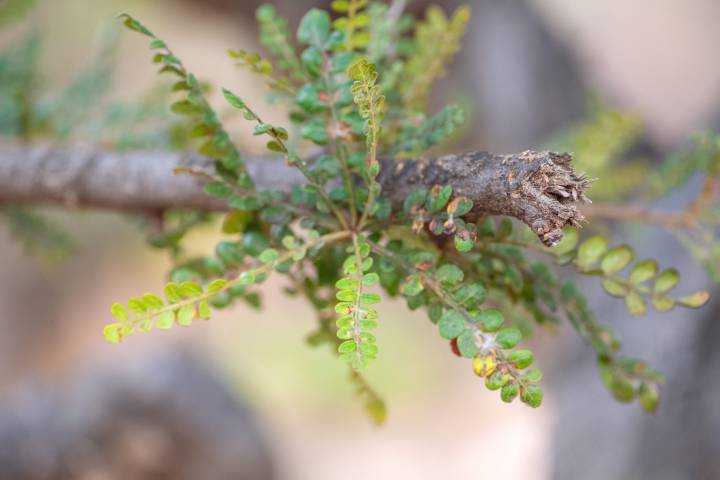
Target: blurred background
[(243, 396)]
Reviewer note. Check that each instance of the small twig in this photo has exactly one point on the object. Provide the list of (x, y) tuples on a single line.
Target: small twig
[(635, 213)]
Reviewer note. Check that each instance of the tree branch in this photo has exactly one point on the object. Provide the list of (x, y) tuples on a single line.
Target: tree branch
[(539, 188), (636, 213)]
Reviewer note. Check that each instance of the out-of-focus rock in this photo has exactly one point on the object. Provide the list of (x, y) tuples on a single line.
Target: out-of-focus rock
[(167, 417)]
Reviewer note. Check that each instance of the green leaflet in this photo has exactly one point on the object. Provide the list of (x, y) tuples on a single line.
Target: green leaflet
[(186, 301)]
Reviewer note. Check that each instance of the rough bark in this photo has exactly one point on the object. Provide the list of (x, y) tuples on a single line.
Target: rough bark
[(133, 180), (539, 188)]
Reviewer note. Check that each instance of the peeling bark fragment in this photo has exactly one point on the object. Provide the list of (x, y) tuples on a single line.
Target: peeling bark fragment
[(538, 188)]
